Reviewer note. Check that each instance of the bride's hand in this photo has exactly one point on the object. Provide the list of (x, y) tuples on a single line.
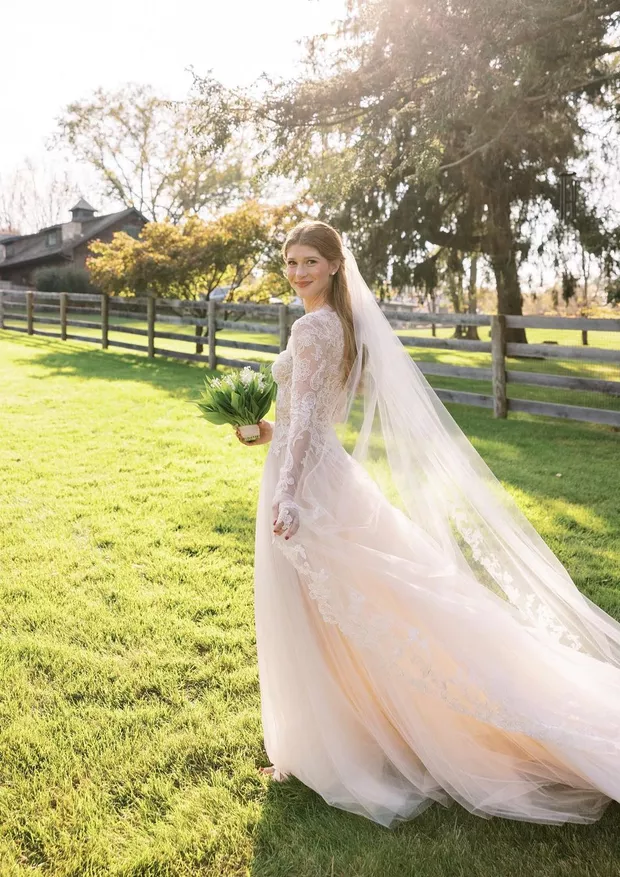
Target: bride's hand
[(285, 518), (266, 434)]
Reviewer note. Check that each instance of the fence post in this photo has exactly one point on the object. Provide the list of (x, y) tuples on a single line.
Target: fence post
[(150, 324), (30, 311), (211, 332), (584, 333), (498, 365), (283, 324), (200, 331), (64, 307), (105, 319), (1, 309)]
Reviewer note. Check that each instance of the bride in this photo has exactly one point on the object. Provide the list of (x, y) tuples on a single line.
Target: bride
[(417, 639)]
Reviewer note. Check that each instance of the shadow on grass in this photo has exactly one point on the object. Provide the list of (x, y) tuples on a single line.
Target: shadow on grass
[(68, 358), (299, 834)]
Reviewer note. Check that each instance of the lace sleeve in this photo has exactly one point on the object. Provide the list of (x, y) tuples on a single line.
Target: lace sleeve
[(309, 406)]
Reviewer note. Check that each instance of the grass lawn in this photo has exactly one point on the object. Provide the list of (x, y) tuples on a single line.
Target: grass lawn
[(129, 704)]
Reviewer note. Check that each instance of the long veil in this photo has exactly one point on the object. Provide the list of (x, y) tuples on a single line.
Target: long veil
[(391, 415)]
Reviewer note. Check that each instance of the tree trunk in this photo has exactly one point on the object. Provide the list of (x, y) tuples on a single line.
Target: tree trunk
[(432, 306), (585, 267), (472, 293), (504, 262), (199, 344), (456, 299), (200, 330)]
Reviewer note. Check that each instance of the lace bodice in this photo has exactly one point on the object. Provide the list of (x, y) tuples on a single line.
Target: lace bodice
[(309, 394)]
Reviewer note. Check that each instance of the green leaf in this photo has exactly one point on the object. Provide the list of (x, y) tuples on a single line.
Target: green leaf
[(215, 417)]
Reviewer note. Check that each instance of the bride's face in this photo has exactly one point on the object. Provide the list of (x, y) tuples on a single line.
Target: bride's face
[(308, 272)]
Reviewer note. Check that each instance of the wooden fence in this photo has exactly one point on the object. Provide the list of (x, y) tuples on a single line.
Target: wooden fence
[(30, 307)]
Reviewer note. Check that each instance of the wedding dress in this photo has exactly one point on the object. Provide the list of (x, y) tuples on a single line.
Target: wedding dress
[(436, 651)]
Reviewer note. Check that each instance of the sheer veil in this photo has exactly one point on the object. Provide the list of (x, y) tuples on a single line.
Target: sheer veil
[(402, 434)]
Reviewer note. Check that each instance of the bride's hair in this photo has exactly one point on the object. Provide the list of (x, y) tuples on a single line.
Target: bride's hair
[(325, 239)]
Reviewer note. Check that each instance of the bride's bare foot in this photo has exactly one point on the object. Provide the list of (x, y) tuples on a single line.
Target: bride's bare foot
[(273, 772)]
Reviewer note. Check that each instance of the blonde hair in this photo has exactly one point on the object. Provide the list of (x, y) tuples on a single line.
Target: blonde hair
[(325, 239)]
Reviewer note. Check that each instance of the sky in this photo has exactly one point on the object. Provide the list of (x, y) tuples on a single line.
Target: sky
[(61, 52)]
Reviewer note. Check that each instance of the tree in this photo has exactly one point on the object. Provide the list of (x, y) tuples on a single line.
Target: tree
[(189, 260), (441, 125), (182, 261), (35, 196), (141, 147)]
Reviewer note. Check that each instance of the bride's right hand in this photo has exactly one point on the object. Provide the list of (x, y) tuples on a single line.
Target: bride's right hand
[(266, 434)]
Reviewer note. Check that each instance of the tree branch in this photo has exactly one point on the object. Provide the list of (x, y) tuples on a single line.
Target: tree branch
[(478, 149)]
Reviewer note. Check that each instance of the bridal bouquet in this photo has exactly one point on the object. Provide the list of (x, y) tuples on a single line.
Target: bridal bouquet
[(241, 399)]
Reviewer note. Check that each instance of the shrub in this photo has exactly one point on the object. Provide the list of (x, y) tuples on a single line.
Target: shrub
[(64, 279)]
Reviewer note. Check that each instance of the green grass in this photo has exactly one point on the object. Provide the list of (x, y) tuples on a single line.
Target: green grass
[(130, 728)]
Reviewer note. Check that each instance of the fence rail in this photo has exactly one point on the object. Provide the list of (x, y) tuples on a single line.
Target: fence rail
[(210, 317)]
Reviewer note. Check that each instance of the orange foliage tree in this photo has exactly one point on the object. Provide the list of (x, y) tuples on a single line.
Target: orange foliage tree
[(185, 260)]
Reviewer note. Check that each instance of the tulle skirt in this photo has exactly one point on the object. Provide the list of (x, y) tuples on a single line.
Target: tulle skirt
[(391, 680)]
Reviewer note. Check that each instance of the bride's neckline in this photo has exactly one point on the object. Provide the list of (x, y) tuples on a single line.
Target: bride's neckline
[(322, 308)]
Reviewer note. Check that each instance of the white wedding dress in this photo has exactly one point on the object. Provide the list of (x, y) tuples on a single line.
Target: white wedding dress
[(390, 678)]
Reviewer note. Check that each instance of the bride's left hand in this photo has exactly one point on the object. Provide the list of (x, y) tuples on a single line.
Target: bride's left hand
[(285, 517), (266, 434)]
